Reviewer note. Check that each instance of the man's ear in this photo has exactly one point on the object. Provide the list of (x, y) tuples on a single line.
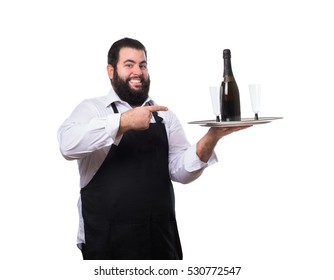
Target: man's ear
[(110, 71)]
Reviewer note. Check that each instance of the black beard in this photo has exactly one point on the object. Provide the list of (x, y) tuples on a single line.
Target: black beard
[(123, 90)]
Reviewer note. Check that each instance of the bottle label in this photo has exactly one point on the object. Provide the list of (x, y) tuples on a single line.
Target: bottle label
[(229, 79)]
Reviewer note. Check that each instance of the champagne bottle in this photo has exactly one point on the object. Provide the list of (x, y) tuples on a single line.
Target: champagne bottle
[(230, 93)]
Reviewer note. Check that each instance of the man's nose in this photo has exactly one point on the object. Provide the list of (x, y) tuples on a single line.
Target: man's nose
[(137, 70)]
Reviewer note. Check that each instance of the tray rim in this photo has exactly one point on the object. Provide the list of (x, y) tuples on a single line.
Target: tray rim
[(242, 122)]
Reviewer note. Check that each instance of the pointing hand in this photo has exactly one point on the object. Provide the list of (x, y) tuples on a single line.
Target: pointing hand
[(138, 118)]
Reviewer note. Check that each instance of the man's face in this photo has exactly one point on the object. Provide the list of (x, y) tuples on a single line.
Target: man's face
[(131, 80)]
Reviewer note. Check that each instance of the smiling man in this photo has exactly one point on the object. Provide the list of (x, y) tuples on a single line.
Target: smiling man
[(129, 150), (129, 77)]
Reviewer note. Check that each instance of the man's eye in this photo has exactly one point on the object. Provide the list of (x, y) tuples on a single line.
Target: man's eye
[(143, 66), (128, 65)]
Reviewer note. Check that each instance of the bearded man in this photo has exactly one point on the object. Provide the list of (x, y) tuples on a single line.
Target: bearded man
[(129, 150)]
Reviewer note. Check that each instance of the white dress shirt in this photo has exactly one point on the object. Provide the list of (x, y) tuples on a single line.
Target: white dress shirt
[(86, 136), (91, 129)]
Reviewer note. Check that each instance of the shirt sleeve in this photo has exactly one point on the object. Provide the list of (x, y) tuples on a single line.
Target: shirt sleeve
[(85, 131), (184, 164)]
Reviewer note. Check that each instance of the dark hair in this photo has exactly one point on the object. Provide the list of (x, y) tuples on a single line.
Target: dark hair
[(113, 54)]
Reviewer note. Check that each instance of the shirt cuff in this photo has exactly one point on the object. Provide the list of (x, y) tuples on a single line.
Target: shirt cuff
[(193, 162)]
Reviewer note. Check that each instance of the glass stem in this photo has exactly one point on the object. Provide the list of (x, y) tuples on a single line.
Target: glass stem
[(256, 116)]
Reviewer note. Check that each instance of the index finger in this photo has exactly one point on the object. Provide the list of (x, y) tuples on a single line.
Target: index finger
[(155, 108)]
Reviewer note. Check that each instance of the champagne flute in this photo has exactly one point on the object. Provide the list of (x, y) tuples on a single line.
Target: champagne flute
[(215, 93), (255, 95)]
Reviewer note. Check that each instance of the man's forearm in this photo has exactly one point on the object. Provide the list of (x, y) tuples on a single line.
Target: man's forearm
[(205, 147)]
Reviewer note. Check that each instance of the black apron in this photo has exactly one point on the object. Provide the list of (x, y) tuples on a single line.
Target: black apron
[(128, 207)]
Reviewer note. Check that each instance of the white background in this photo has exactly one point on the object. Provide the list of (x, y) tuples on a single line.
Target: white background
[(266, 206)]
